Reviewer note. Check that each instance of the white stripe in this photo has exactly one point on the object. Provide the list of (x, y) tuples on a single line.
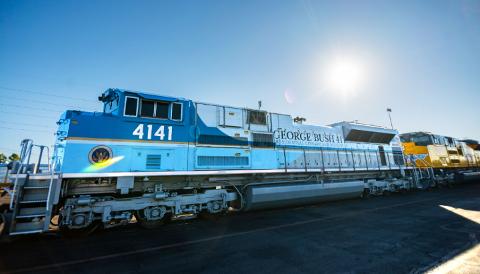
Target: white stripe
[(197, 172), (169, 173), (125, 143)]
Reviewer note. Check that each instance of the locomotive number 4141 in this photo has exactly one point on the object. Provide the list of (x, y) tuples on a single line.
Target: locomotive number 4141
[(160, 132)]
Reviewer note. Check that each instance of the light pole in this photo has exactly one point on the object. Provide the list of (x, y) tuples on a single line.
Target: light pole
[(389, 110)]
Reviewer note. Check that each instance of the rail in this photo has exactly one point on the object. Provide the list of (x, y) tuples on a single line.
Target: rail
[(26, 148), (52, 176), (25, 152)]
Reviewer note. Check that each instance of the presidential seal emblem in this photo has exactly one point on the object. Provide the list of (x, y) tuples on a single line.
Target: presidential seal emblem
[(100, 154)]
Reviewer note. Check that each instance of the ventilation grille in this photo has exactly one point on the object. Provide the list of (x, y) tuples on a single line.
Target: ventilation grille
[(356, 135), (222, 161), (262, 140), (222, 140), (153, 161)]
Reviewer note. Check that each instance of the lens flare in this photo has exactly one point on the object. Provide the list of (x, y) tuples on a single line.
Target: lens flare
[(289, 96), (99, 166)]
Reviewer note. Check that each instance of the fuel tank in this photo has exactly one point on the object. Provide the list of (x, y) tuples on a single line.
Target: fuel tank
[(271, 196)]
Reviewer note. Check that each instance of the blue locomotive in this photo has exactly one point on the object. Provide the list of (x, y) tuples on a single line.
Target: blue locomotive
[(139, 132), (151, 158)]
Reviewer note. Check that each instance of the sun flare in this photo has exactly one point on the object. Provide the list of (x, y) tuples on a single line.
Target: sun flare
[(345, 76)]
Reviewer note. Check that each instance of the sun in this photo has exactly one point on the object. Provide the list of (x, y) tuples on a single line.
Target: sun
[(345, 76)]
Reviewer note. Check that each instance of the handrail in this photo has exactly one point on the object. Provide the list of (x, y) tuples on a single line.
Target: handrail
[(14, 190), (431, 174), (52, 175), (25, 151)]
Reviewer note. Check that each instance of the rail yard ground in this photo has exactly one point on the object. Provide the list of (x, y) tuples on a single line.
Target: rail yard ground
[(436, 230)]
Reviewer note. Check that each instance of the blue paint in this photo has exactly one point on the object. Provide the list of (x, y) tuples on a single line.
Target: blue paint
[(193, 144)]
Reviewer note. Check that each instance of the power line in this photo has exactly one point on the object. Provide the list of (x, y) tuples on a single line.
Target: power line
[(31, 115), (45, 93), (22, 129), (38, 101), (25, 124), (9, 149), (36, 108)]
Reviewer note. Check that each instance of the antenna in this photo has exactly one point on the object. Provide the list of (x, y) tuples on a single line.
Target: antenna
[(389, 110), (259, 104), (299, 120)]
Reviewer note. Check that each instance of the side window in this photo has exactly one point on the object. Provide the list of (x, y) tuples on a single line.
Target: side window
[(131, 106), (162, 110), (177, 111), (381, 152), (257, 117), (147, 109)]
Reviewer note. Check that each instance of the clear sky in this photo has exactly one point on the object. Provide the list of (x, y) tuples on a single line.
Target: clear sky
[(421, 58)]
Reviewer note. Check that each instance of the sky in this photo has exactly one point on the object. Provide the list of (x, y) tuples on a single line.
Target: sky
[(419, 58)]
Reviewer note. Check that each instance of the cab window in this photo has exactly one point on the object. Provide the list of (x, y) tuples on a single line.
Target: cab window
[(131, 106), (162, 110), (148, 108), (177, 111)]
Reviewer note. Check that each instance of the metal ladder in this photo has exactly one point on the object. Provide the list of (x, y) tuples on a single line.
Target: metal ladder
[(418, 173), (31, 200)]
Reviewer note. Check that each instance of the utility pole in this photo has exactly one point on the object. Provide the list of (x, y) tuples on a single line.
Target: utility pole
[(389, 110)]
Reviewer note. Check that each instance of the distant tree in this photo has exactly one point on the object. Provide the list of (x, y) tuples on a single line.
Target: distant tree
[(14, 157), (3, 158)]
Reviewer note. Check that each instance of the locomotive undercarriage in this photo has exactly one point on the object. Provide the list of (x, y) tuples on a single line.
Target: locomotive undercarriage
[(82, 204), (152, 200)]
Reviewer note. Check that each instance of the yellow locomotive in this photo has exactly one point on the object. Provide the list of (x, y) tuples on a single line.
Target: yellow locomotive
[(427, 150)]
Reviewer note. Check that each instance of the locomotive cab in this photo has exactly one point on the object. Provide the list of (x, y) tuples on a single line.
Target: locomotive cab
[(135, 132), (437, 151)]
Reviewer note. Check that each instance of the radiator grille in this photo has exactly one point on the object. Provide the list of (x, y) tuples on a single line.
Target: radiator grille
[(262, 140), (153, 161), (222, 161)]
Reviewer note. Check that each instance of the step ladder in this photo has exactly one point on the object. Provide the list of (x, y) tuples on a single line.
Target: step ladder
[(33, 194), (32, 204), (422, 174)]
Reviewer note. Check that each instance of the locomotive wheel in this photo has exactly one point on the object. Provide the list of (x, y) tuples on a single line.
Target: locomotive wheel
[(77, 232), (149, 224)]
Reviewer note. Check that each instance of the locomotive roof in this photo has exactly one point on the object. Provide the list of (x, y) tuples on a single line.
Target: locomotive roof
[(152, 96), (468, 141), (147, 95), (348, 126)]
